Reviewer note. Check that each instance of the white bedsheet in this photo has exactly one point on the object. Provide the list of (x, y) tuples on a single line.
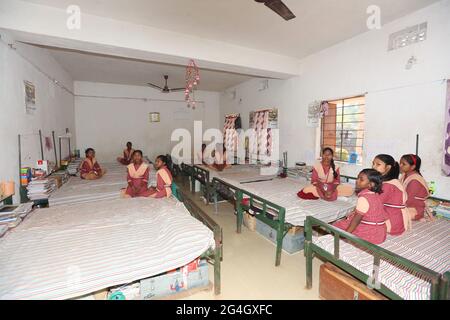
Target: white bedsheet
[(283, 192), (69, 251), (242, 173), (428, 244), (78, 190)]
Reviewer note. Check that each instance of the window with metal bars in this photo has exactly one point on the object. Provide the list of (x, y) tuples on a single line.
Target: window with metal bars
[(343, 129)]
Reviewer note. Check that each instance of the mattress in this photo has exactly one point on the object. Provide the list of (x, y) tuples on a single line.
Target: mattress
[(428, 244), (243, 173), (283, 192), (78, 190), (70, 251)]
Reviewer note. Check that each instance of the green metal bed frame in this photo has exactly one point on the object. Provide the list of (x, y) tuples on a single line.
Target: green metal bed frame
[(279, 224), (196, 173), (210, 188), (213, 256), (439, 282)]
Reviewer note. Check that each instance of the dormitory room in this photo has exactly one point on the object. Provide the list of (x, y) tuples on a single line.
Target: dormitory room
[(195, 150)]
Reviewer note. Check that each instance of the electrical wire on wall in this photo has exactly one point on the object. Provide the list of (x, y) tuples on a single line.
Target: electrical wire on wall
[(58, 83), (55, 81)]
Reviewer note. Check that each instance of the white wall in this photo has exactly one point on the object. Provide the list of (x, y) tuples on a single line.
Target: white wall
[(108, 36), (107, 123), (394, 114), (55, 107)]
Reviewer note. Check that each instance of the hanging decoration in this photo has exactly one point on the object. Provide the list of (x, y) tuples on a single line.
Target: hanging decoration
[(316, 111), (192, 80)]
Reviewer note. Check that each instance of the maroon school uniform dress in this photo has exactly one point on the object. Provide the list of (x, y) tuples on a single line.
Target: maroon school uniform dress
[(323, 175), (163, 184), (417, 190), (394, 200), (138, 176), (372, 227), (126, 160), (89, 166)]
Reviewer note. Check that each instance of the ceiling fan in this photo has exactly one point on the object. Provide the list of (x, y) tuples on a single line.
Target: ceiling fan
[(279, 7), (166, 88)]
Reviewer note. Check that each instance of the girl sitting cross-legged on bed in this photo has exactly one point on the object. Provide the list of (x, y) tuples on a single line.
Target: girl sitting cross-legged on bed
[(368, 222), (219, 158), (137, 178), (416, 187), (89, 168), (127, 155), (394, 195), (326, 180), (164, 179)]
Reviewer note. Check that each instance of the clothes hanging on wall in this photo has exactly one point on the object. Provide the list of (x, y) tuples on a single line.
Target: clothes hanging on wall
[(261, 135), (230, 134)]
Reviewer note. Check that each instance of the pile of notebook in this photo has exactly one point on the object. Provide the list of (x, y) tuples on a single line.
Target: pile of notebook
[(40, 189), (443, 210), (12, 215), (73, 167), (298, 171), (60, 177)]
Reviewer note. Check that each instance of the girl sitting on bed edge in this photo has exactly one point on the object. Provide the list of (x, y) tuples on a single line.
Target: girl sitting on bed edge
[(368, 221), (326, 181)]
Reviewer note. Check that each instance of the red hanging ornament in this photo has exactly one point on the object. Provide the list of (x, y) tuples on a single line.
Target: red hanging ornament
[(192, 80)]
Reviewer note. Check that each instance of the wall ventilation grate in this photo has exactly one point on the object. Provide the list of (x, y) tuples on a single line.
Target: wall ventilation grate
[(408, 36)]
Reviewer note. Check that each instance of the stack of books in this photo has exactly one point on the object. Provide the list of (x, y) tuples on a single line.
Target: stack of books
[(73, 167), (40, 189), (443, 210), (12, 215), (300, 172)]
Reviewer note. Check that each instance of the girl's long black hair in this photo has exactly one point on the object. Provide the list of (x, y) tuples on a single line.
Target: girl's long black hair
[(413, 160), (375, 178), (395, 168), (332, 164)]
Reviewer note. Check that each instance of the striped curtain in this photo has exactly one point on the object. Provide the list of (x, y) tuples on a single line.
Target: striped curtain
[(261, 135), (230, 134)]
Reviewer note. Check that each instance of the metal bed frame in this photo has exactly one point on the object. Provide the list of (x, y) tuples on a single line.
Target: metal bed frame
[(213, 256), (212, 188), (439, 282), (264, 206)]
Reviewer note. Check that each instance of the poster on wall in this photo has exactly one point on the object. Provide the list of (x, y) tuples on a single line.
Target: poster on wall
[(316, 111), (446, 162), (30, 97)]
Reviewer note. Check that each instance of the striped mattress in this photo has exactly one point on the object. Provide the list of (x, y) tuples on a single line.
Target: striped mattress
[(428, 244), (242, 173), (70, 251), (283, 192), (78, 190)]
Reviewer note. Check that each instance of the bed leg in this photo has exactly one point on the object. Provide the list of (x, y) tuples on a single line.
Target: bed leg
[(206, 193), (240, 211), (217, 258), (309, 257), (192, 184), (216, 207), (279, 244)]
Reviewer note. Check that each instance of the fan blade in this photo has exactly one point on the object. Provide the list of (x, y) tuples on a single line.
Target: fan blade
[(154, 86), (177, 89), (279, 7)]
